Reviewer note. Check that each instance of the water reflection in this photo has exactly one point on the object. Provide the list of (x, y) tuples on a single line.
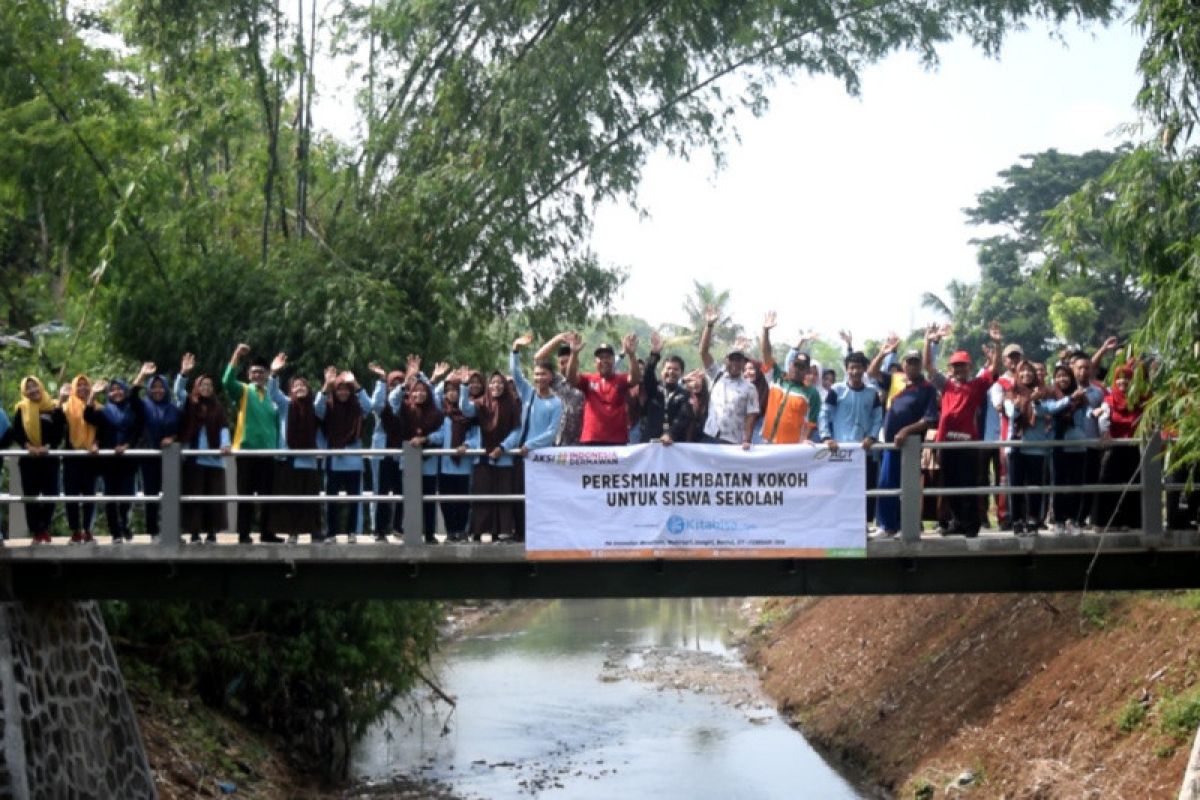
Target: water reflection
[(534, 717)]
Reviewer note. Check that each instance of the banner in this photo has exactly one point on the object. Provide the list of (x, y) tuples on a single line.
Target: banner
[(695, 501)]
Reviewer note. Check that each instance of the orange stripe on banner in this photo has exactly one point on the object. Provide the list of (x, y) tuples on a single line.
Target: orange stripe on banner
[(680, 553)]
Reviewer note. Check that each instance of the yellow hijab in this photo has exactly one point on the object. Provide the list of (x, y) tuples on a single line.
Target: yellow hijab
[(31, 411), (81, 435)]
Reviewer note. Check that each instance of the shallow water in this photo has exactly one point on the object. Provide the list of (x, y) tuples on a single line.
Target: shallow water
[(547, 708)]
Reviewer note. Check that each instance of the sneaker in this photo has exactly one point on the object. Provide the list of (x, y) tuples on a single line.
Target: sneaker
[(41, 538), (1060, 529), (1072, 528), (88, 538), (381, 537), (293, 538), (244, 538), (330, 540), (352, 538), (194, 538), (118, 540), (77, 537), (210, 538), (270, 538)]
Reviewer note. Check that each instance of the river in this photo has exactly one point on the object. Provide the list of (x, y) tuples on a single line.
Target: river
[(600, 699)]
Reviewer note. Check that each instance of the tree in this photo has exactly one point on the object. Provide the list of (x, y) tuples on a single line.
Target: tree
[(1145, 209), (1015, 288), (957, 308), (695, 305)]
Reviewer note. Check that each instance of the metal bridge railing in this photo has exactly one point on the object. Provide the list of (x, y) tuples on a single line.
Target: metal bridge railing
[(1150, 485)]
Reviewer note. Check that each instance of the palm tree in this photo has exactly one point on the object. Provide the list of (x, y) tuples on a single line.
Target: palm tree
[(956, 307), (705, 295)]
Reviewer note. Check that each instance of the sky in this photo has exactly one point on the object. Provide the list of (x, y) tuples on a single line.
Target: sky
[(838, 212)]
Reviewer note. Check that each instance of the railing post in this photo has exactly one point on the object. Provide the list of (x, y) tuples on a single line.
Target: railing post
[(910, 488), (17, 526), (414, 509), (1152, 489), (170, 514)]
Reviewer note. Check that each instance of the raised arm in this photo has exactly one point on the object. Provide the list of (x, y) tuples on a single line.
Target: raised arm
[(997, 337), (629, 344), (229, 381), (874, 369), (1110, 346), (549, 349), (650, 375), (576, 342), (764, 341), (710, 320), (524, 389)]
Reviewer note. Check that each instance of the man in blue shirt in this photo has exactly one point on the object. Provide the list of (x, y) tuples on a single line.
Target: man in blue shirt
[(913, 411), (853, 412)]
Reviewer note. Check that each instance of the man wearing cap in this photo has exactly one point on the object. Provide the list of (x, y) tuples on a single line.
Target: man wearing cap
[(605, 391), (786, 417), (912, 411), (732, 400), (962, 399), (570, 424)]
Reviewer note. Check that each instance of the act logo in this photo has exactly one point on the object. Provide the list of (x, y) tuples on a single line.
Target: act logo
[(675, 524)]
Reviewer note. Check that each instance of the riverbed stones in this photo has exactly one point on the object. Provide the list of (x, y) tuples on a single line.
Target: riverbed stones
[(67, 728)]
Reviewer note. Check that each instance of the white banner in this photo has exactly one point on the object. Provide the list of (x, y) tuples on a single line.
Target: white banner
[(695, 501)]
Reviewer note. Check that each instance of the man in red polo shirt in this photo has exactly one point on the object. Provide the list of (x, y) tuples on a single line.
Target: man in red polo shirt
[(605, 391), (962, 399)]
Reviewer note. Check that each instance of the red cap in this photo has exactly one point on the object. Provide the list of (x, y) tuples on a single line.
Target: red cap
[(960, 357)]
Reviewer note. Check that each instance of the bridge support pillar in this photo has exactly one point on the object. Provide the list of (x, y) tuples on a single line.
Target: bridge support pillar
[(67, 728)]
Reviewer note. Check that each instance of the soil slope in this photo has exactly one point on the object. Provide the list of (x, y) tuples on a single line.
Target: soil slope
[(1015, 696)]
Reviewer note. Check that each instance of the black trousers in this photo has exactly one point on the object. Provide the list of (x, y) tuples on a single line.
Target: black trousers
[(342, 517), (1025, 469), (389, 517), (118, 472), (39, 477), (1117, 467), (79, 478), (456, 514), (151, 471), (960, 468), (1069, 469), (254, 476)]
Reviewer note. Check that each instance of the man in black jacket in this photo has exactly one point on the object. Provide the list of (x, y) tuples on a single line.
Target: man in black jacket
[(661, 402)]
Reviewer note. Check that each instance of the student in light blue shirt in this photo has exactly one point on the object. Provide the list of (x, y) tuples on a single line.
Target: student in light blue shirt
[(296, 475), (541, 410), (459, 432), (341, 406)]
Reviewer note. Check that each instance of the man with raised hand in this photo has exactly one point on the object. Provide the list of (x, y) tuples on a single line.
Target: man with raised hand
[(963, 397), (662, 401), (570, 424), (853, 412), (257, 429), (786, 417), (605, 391), (912, 411), (733, 401)]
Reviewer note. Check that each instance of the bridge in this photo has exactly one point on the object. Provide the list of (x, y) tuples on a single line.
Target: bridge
[(916, 562)]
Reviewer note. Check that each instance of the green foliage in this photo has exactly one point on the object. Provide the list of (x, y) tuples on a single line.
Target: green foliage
[(319, 671), (1130, 716), (1179, 715), (1041, 310), (1096, 609)]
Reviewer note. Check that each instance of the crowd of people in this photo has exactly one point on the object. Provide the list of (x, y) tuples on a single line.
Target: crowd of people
[(744, 400)]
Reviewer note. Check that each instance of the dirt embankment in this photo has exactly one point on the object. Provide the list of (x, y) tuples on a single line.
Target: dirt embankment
[(1021, 696)]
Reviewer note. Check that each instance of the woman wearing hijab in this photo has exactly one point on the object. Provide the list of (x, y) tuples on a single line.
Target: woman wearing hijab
[(296, 475), (38, 427), (689, 422), (79, 474), (420, 424), (118, 426), (1028, 422), (341, 407), (1119, 419), (499, 414), (1067, 406), (461, 433), (203, 425), (160, 416)]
